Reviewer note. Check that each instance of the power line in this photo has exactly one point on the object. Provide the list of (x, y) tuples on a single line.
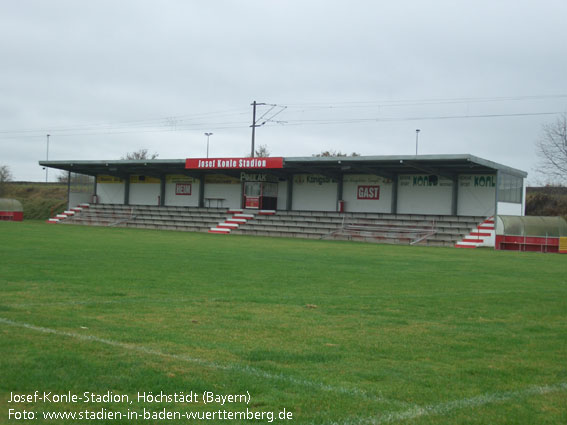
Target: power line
[(425, 118), (152, 123), (419, 102), (221, 120)]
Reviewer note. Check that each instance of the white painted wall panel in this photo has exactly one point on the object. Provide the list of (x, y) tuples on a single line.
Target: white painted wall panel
[(418, 195), (314, 193), (185, 200), (229, 192), (76, 198), (351, 185), (476, 195), (282, 195), (144, 193), (507, 208), (110, 193)]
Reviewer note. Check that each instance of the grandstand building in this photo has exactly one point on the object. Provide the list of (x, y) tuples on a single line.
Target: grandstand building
[(327, 190), (459, 185)]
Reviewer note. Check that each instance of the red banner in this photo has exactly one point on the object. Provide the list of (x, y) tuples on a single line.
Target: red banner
[(183, 189), (368, 192), (233, 163)]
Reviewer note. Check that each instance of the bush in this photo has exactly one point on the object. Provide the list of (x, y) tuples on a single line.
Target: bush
[(547, 202)]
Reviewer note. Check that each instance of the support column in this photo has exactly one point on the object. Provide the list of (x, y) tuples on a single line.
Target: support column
[(201, 191), (69, 190), (339, 191), (497, 193), (455, 196), (289, 197), (394, 206), (161, 190), (127, 190)]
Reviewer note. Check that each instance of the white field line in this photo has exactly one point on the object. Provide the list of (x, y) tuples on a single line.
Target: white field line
[(249, 370), (450, 406)]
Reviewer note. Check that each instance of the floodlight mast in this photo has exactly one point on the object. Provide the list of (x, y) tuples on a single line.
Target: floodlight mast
[(208, 135), (47, 158)]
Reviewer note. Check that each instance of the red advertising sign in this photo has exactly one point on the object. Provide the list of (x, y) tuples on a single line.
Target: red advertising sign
[(183, 189), (252, 201), (233, 163), (368, 192)]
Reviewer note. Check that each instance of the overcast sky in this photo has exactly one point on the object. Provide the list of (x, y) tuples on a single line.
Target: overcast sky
[(105, 78)]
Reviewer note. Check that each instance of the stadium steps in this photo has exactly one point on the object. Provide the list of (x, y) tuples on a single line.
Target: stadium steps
[(65, 216), (482, 234), (295, 224), (190, 219), (317, 225), (237, 218)]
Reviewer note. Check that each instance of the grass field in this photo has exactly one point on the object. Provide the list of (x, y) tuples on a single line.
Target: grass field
[(333, 332)]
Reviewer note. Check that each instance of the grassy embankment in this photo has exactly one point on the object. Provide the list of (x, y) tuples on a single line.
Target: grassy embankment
[(40, 200)]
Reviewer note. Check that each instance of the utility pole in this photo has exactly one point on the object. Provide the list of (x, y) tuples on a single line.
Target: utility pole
[(262, 119), (47, 158), (254, 125)]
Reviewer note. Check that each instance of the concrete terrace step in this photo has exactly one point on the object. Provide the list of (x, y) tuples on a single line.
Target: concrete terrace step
[(312, 225), (305, 224), (242, 215), (219, 230)]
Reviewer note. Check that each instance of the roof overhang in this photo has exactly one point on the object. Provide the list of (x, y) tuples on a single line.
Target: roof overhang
[(385, 166)]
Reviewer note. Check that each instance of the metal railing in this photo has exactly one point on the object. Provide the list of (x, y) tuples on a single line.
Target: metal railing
[(368, 230)]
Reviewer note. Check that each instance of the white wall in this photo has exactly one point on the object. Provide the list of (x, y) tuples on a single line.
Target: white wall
[(225, 187), (417, 196), (507, 208), (314, 193), (76, 198), (476, 195), (185, 200), (110, 193), (350, 193), (282, 195), (144, 193)]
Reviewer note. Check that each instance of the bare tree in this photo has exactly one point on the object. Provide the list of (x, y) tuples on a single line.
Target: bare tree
[(140, 154), (262, 151), (5, 177), (63, 177), (333, 153), (552, 151)]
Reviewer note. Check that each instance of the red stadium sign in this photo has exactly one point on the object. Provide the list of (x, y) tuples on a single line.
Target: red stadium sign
[(233, 163), (368, 192), (183, 189)]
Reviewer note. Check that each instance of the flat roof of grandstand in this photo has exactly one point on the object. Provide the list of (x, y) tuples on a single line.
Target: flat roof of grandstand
[(385, 166)]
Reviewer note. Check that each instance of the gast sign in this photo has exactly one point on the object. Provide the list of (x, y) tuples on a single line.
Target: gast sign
[(368, 192)]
